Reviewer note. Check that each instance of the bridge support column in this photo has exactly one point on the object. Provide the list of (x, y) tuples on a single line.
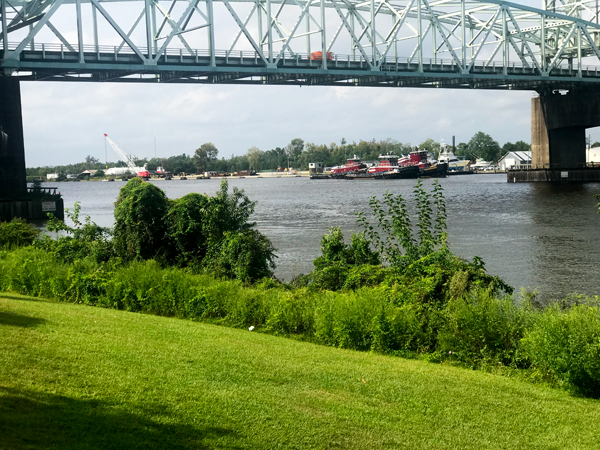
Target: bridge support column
[(558, 124), (15, 201), (13, 179)]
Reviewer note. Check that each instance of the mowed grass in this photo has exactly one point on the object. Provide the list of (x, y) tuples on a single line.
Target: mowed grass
[(78, 377)]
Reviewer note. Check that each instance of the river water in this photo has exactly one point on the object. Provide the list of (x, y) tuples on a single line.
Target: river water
[(537, 235)]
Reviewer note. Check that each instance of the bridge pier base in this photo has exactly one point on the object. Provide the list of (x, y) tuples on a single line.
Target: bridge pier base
[(558, 147), (558, 124), (13, 179), (15, 201)]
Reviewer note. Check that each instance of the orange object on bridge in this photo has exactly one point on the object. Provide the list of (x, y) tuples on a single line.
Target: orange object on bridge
[(318, 56)]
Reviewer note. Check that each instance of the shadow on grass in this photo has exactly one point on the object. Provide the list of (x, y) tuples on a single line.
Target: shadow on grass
[(17, 320), (30, 420), (28, 298)]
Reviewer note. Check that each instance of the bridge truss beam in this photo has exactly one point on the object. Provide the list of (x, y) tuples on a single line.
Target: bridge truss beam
[(487, 44)]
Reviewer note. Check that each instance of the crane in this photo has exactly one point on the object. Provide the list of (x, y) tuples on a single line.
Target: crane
[(128, 159)]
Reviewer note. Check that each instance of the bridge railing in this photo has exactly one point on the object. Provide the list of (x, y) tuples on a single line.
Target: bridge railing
[(94, 53)]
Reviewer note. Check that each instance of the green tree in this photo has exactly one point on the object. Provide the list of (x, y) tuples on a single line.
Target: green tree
[(204, 155), (140, 212), (294, 149), (462, 149), (519, 146), (185, 223), (253, 156), (431, 146), (235, 248), (91, 161), (483, 146)]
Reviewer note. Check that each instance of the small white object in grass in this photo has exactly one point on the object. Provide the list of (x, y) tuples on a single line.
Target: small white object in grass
[(450, 352), (251, 327)]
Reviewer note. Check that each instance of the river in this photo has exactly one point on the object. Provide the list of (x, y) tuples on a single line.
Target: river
[(540, 236)]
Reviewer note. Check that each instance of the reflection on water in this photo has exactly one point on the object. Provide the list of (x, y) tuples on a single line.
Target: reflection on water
[(533, 235)]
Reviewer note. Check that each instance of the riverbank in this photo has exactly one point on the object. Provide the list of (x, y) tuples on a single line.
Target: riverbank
[(78, 377)]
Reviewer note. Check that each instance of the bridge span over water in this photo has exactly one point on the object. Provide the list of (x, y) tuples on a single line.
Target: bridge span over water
[(398, 43), (462, 44)]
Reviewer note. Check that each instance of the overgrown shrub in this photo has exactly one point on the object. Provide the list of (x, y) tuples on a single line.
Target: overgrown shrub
[(481, 328), (140, 211), (84, 239), (247, 256), (186, 223), (565, 345), (16, 233)]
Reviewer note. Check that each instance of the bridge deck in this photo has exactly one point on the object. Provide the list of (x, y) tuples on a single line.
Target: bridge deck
[(56, 62)]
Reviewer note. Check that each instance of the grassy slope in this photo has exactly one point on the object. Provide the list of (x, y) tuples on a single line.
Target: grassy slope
[(75, 377)]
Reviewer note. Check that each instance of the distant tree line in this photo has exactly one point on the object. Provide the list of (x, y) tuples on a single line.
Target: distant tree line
[(297, 155)]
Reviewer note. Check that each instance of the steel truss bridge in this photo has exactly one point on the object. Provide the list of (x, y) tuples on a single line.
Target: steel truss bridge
[(413, 43)]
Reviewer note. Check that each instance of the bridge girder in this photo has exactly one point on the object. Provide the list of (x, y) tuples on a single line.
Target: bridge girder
[(470, 44)]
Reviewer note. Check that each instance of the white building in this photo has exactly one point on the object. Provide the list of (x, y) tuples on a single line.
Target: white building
[(593, 155), (52, 176), (514, 159)]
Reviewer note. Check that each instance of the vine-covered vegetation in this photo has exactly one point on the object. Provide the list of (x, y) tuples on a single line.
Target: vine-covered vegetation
[(394, 288)]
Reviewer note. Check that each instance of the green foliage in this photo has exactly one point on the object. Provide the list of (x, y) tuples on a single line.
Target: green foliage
[(16, 233), (483, 146), (84, 239), (140, 212), (399, 246), (565, 345), (390, 316), (204, 156), (430, 145), (228, 212), (334, 250), (253, 156), (185, 223), (483, 329), (518, 146), (245, 255)]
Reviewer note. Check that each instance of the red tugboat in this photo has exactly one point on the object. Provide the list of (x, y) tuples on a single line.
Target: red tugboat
[(427, 167), (353, 165), (388, 168)]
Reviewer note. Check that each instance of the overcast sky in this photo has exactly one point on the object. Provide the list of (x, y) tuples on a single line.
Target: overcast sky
[(65, 122)]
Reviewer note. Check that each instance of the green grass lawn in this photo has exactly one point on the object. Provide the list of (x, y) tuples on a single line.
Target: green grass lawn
[(78, 377)]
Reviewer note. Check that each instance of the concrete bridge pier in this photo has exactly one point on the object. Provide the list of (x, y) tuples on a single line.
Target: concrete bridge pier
[(558, 146), (15, 200), (13, 180)]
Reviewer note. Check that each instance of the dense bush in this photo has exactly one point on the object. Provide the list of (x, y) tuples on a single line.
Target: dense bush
[(185, 221), (414, 255), (84, 239), (479, 328), (565, 345), (140, 228), (246, 255), (16, 233)]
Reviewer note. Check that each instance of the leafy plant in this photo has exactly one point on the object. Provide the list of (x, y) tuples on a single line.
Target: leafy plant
[(565, 345), (17, 233), (85, 239), (400, 246), (140, 212), (185, 228)]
